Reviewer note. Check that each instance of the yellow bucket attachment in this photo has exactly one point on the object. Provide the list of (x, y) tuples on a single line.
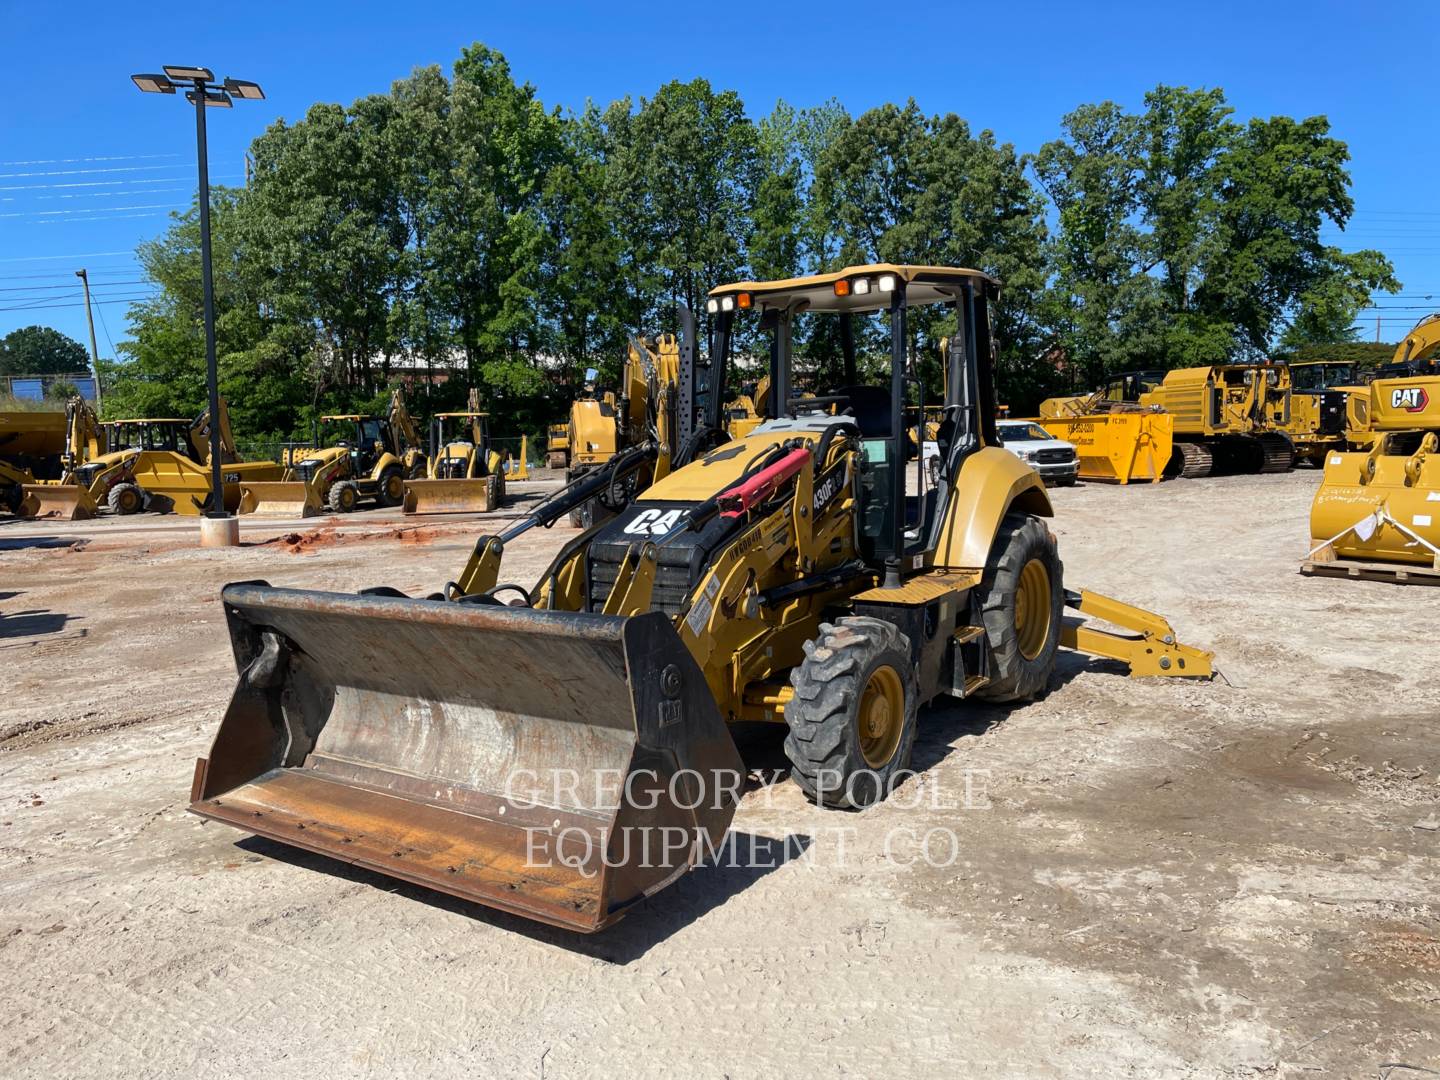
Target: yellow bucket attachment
[(475, 495), (280, 498), (1376, 507), (556, 765), (1117, 447), (57, 502), (1150, 650)]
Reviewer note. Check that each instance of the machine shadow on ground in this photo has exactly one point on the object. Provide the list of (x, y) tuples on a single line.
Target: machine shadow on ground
[(743, 860), (34, 623)]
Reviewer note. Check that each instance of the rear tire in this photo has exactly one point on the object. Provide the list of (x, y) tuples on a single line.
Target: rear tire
[(125, 499), (494, 491), (392, 487), (1022, 598), (852, 720), (343, 497)]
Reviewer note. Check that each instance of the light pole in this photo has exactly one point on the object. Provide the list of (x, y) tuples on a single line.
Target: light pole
[(205, 93)]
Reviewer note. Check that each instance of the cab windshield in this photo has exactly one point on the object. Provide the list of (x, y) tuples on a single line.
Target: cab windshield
[(1022, 433)]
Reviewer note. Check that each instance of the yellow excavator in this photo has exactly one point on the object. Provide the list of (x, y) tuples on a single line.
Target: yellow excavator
[(1377, 512), (466, 472), (1226, 418), (1329, 409), (561, 750), (353, 459), (161, 464)]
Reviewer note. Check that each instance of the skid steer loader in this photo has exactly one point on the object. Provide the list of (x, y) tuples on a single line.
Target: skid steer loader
[(1377, 512), (561, 751), (353, 459), (466, 473)]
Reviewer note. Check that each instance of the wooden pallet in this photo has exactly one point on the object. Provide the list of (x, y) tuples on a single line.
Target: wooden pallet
[(1395, 573)]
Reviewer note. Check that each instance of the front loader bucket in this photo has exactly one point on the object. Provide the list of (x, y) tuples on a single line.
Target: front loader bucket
[(277, 498), (559, 766), (57, 502), (1392, 516), (448, 496)]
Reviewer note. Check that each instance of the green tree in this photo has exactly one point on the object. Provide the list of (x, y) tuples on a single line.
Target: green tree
[(1185, 238), (39, 350), (910, 188)]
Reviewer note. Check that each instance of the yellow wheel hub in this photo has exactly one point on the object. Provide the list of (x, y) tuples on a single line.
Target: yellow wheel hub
[(1032, 609), (881, 717)]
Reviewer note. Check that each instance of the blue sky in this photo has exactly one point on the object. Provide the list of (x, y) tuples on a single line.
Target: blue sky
[(88, 172)]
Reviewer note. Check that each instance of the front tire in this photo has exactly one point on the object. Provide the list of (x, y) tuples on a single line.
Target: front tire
[(343, 497), (392, 487), (852, 718), (125, 499), (1022, 596)]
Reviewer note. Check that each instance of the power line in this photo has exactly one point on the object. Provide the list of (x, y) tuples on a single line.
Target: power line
[(48, 258), (83, 172), (93, 285), (81, 303), (77, 220), (105, 183), (72, 160)]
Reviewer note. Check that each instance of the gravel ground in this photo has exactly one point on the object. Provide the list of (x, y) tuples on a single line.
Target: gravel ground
[(1127, 878)]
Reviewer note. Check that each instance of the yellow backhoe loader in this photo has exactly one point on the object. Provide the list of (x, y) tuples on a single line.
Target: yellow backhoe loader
[(561, 751), (557, 446), (159, 464), (466, 473), (600, 428), (1377, 513), (353, 460), (1228, 418), (31, 446), (748, 411)]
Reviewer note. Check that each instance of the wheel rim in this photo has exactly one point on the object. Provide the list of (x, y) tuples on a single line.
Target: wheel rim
[(881, 717), (395, 488), (1032, 609), (347, 498)]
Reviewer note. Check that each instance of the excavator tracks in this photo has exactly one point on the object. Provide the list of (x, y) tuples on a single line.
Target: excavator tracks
[(1279, 452), (1196, 460)]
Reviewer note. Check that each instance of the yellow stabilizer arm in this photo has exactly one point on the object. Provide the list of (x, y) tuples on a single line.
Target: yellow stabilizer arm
[(1153, 652)]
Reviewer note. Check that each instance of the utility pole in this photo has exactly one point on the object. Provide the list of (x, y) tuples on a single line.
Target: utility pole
[(1377, 329), (94, 350)]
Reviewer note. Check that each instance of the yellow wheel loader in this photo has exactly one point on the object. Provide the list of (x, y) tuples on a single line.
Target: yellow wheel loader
[(561, 751), (158, 464), (1227, 418), (466, 472), (353, 460), (1377, 512)]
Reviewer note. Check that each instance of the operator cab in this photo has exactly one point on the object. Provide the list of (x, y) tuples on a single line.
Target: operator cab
[(366, 437), (856, 332), (162, 435)]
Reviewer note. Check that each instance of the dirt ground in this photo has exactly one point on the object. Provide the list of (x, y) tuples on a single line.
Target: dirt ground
[(1151, 878)]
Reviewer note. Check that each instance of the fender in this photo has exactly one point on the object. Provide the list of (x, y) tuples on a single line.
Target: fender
[(992, 482)]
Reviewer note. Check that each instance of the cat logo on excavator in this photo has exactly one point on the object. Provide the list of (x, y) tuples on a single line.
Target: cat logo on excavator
[(1409, 398)]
